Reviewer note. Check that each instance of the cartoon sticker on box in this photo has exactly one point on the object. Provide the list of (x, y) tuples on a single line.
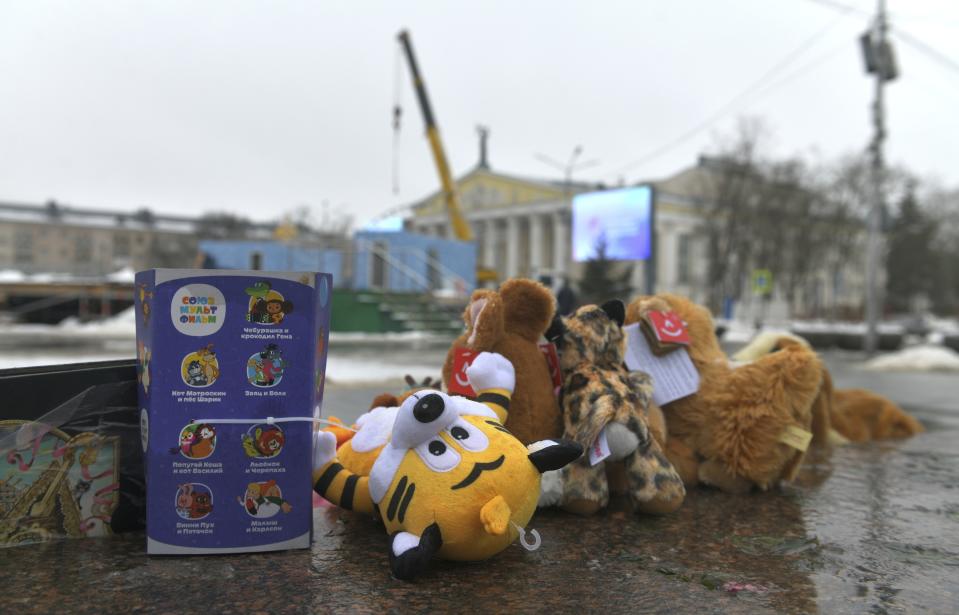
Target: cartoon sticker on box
[(145, 296), (263, 441), (265, 368), (193, 501), (263, 500), (200, 368), (267, 306), (198, 309), (143, 366), (197, 441)]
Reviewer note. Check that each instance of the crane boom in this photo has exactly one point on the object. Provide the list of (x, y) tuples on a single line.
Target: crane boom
[(461, 229)]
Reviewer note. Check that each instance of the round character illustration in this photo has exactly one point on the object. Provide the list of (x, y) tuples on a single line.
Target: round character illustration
[(193, 501), (265, 368), (263, 500), (143, 366), (200, 368), (267, 306), (197, 441), (263, 441)]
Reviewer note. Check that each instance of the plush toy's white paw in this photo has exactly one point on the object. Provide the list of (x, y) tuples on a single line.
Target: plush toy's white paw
[(324, 449), (622, 442), (490, 370), (551, 489)]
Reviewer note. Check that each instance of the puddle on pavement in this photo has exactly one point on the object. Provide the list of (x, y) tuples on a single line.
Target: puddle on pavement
[(888, 516)]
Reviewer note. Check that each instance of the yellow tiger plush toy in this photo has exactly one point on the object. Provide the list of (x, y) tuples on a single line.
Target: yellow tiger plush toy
[(444, 475)]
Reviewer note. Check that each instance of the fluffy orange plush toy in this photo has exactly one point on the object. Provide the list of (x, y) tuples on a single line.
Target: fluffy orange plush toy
[(746, 426), (511, 322), (856, 415)]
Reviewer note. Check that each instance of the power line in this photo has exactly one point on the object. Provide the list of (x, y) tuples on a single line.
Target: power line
[(927, 49), (910, 39), (734, 102), (805, 68), (841, 6)]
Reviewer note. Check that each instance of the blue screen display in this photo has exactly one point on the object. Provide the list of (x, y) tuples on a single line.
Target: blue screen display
[(621, 218)]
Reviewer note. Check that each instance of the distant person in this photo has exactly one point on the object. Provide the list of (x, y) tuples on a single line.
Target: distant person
[(565, 299)]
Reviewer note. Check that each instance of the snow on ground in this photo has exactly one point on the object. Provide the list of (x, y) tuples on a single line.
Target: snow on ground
[(737, 331), (406, 336), (121, 325), (341, 369), (10, 276), (10, 361), (742, 332), (126, 275), (925, 358), (855, 328)]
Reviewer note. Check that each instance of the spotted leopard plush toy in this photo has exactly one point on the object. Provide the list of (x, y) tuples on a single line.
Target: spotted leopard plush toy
[(602, 401)]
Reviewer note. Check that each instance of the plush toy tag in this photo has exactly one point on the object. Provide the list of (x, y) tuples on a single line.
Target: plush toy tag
[(665, 331), (459, 382), (669, 327), (674, 375), (552, 361), (600, 449), (796, 437)]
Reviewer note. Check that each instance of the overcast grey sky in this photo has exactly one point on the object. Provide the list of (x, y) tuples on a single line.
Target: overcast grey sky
[(257, 107)]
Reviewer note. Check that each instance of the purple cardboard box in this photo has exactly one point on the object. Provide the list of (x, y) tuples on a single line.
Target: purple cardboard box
[(226, 359)]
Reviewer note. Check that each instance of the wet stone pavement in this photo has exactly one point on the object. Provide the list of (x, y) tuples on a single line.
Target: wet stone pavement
[(865, 528)]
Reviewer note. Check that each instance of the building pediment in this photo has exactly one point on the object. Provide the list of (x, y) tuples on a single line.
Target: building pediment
[(485, 189)]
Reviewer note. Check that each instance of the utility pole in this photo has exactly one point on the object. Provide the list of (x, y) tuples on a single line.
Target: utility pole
[(880, 61)]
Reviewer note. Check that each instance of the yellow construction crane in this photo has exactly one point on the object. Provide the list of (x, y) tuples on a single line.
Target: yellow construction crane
[(461, 228)]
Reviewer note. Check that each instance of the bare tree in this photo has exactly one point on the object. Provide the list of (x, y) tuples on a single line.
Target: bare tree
[(326, 222), (730, 190), (222, 225)]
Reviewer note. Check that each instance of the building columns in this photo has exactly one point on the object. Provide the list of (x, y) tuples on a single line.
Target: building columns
[(512, 247), (489, 244), (536, 264), (561, 242)]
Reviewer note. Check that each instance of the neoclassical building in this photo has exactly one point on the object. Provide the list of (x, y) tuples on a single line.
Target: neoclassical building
[(522, 228)]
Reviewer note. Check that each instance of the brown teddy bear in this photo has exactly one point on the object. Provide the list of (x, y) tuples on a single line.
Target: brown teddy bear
[(856, 415), (511, 322), (746, 426)]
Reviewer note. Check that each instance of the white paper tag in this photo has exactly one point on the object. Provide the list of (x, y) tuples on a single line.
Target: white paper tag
[(600, 449), (674, 375)]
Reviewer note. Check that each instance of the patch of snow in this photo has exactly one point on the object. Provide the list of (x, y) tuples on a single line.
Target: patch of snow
[(737, 331), (342, 369), (942, 326), (31, 360), (126, 275), (121, 325), (359, 336), (855, 328), (9, 276), (924, 358)]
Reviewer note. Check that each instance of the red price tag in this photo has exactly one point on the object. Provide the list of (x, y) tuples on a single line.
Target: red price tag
[(459, 383), (669, 328), (552, 362)]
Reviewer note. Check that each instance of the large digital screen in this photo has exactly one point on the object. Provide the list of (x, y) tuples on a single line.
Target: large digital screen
[(622, 219)]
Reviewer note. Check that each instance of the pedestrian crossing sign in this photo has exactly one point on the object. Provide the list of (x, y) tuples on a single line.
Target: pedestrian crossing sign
[(762, 282)]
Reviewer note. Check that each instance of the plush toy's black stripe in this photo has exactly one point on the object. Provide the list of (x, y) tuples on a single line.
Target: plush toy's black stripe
[(327, 479), (494, 398), (346, 500), (406, 502), (497, 426), (395, 500)]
